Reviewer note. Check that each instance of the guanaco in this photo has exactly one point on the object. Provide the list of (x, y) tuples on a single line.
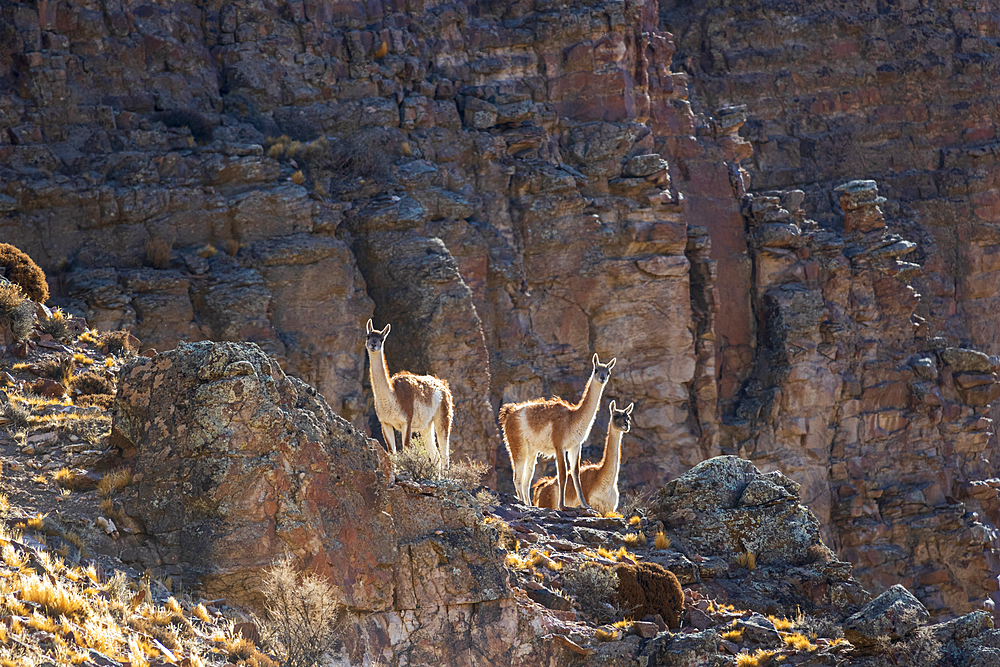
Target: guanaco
[(552, 427), (409, 403), (599, 480)]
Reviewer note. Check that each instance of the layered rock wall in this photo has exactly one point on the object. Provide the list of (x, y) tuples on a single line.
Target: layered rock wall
[(514, 212)]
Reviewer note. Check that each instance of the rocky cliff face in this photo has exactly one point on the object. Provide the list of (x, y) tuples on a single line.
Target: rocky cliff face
[(517, 186)]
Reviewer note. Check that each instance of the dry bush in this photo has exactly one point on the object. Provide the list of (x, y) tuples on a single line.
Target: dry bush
[(18, 417), (16, 312), (636, 501), (61, 370), (157, 253), (662, 541), (414, 462), (201, 129), (56, 326), (298, 178), (649, 588), (117, 342), (366, 154), (304, 618), (89, 382), (19, 269), (594, 589), (231, 247), (467, 473), (821, 627)]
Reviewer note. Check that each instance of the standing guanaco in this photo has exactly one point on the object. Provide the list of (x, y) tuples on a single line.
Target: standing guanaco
[(552, 427), (599, 480), (408, 403)]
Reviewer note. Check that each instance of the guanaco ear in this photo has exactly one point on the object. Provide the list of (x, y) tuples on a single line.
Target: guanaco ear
[(611, 364), (385, 332), (370, 327), (628, 410), (612, 407), (596, 361)]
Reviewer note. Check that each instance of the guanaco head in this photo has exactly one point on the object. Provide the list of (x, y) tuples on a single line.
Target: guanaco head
[(375, 337), (621, 420), (603, 371)]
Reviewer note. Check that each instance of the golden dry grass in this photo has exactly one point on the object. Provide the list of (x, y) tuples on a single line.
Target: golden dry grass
[(635, 521), (733, 635), (82, 359), (758, 659), (661, 541), (635, 540), (781, 624), (747, 559), (605, 635), (798, 641)]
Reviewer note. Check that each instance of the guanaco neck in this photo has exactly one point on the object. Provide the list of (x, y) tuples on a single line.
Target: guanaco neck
[(611, 461), (586, 409), (379, 373)]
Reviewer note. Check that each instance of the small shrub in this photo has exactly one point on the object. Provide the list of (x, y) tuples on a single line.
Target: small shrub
[(298, 178), (18, 417), (157, 253), (361, 155), (56, 326), (759, 659), (635, 521), (821, 627), (635, 540), (648, 588), (89, 382), (19, 269), (16, 312), (414, 462), (467, 473), (486, 499), (594, 589), (117, 342), (636, 501), (201, 129), (304, 619)]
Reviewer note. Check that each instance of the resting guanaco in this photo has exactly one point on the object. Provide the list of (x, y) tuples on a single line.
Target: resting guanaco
[(599, 480), (409, 403), (552, 427)]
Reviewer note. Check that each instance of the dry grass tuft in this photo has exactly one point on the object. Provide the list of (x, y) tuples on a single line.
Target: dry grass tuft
[(113, 482), (759, 659), (298, 178), (635, 521), (747, 559), (56, 326), (661, 541), (635, 540)]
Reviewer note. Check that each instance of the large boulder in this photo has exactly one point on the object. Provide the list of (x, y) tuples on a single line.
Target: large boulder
[(724, 509)]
